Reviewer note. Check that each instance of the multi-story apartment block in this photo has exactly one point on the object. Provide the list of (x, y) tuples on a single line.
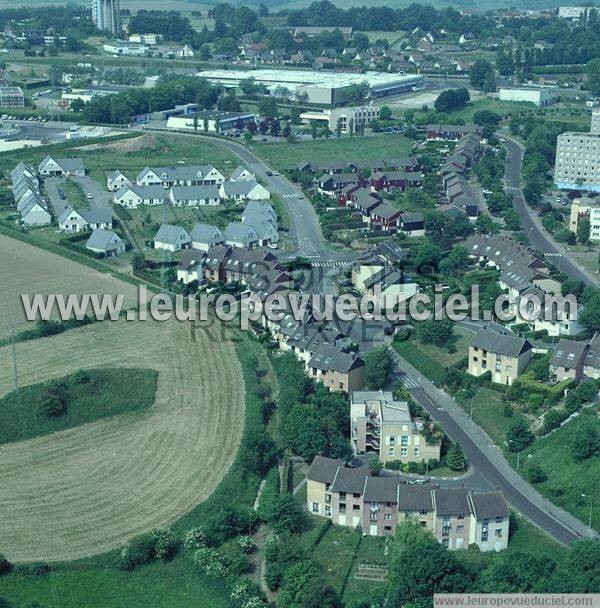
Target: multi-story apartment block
[(351, 496), (11, 97), (504, 355), (106, 15), (577, 164), (381, 425), (586, 208), (595, 125)]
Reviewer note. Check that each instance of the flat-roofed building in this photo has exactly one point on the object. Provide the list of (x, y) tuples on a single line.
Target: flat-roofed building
[(381, 425), (352, 119), (326, 88), (540, 95)]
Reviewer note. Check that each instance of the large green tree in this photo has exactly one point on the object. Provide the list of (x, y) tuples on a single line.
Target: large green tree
[(378, 367)]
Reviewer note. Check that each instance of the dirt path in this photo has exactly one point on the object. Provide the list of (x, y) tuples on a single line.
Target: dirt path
[(87, 490)]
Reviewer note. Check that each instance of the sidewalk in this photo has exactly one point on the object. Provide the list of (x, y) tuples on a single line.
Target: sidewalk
[(497, 470)]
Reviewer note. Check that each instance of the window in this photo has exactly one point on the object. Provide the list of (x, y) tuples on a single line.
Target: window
[(356, 507), (460, 528), (460, 516), (391, 440), (342, 507), (498, 532), (391, 451), (484, 535), (328, 498), (445, 542), (499, 520), (342, 495), (387, 516), (416, 452), (387, 528), (355, 495), (423, 511), (404, 452), (315, 507), (404, 440)]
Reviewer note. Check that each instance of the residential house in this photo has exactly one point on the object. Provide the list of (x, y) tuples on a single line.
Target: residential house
[(451, 132), (386, 254), (337, 370), (591, 363), (63, 167), (390, 287), (504, 355), (134, 196), (185, 51), (185, 175), (411, 223), (567, 360), (238, 234), (244, 190), (263, 218), (106, 242), (193, 196), (172, 238), (205, 236), (115, 180), (350, 496), (382, 425), (384, 217), (191, 266), (34, 212), (241, 173), (76, 220)]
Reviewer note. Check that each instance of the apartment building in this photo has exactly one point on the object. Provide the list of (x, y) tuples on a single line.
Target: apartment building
[(577, 164), (504, 355), (383, 426), (11, 97), (351, 496), (587, 208)]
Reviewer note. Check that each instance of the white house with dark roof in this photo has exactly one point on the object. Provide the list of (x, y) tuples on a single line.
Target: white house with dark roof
[(238, 234), (105, 241), (244, 190), (183, 175), (172, 238), (133, 196), (240, 174), (567, 360), (191, 266), (22, 169), (193, 196), (35, 212), (116, 180), (263, 218), (205, 236), (63, 167), (75, 220)]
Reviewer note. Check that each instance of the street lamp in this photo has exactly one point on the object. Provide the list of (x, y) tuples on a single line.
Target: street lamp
[(590, 517)]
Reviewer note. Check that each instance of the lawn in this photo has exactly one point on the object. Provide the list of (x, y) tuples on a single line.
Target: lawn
[(526, 538), (284, 155), (107, 392), (75, 194), (567, 479), (335, 552), (488, 413), (495, 105), (410, 350), (174, 584), (370, 551)]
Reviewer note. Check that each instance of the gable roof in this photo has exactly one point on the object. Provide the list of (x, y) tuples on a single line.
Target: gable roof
[(569, 353), (103, 239), (500, 343), (205, 233), (239, 232), (190, 259), (239, 171), (488, 505), (324, 469), (451, 501), (191, 193), (169, 233), (414, 498)]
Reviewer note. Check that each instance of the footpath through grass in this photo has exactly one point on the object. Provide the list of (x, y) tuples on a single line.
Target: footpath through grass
[(104, 393)]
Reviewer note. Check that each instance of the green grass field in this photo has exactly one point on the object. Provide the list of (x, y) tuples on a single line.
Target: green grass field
[(287, 156), (488, 413), (107, 393), (174, 584), (568, 479), (495, 105)]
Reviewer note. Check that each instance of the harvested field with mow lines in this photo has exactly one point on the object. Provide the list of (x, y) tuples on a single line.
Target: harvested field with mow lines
[(89, 489)]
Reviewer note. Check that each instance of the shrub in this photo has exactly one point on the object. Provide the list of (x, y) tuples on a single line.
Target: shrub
[(535, 473), (553, 419), (585, 443), (535, 401), (53, 405), (165, 543), (194, 539), (246, 544), (210, 562), (140, 550), (5, 565), (81, 377)]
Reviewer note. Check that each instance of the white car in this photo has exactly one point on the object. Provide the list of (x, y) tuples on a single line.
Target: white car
[(272, 245), (275, 172), (90, 195)]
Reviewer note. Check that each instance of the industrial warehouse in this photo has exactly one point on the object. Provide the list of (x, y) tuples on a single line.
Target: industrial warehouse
[(324, 88)]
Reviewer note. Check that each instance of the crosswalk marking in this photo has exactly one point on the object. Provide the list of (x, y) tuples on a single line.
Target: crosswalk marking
[(289, 195), (328, 264), (409, 382), (553, 255)]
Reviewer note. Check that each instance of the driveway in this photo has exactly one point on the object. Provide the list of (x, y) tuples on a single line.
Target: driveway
[(52, 184)]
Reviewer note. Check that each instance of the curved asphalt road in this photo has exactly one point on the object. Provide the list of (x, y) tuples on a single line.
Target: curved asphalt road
[(538, 238)]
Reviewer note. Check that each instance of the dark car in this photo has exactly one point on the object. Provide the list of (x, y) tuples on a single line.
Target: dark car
[(269, 172), (61, 194)]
